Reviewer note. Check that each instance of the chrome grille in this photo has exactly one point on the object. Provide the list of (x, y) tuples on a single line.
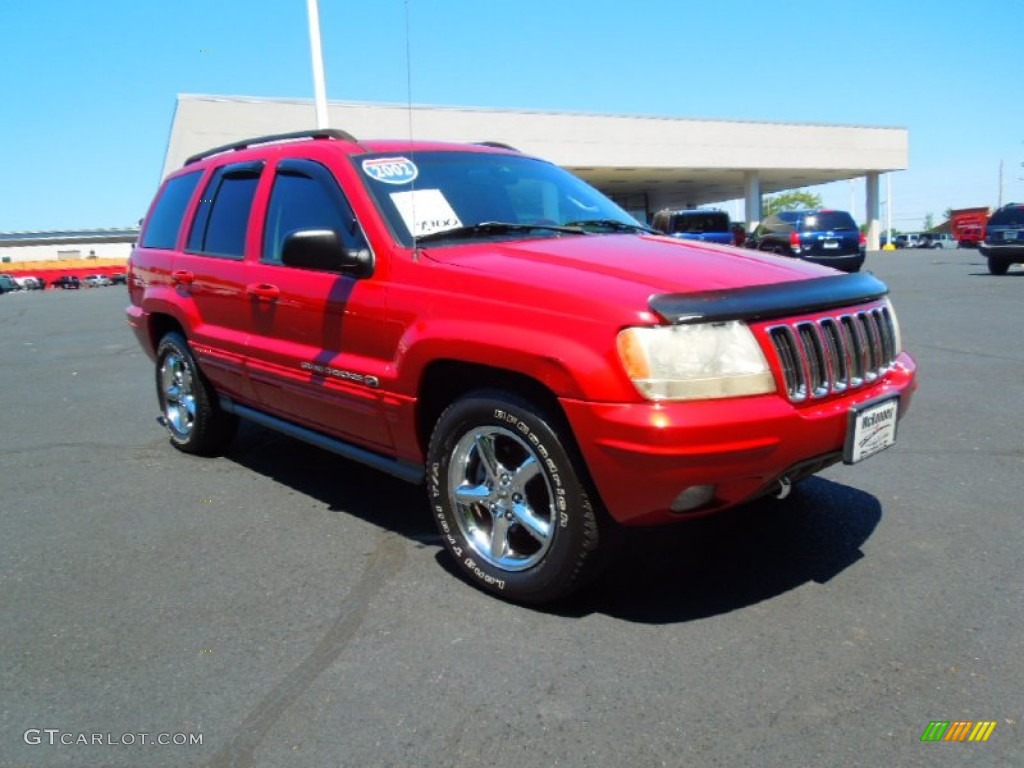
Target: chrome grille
[(834, 354)]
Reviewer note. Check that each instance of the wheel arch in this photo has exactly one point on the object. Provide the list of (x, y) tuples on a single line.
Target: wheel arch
[(160, 324), (445, 381)]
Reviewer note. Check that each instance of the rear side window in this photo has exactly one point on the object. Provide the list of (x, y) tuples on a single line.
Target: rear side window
[(165, 219), (223, 214)]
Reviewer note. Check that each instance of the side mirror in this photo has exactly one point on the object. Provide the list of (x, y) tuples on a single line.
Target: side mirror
[(322, 249)]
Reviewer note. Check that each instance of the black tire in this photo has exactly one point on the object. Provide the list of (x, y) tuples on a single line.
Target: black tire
[(509, 501), (188, 404), (997, 266)]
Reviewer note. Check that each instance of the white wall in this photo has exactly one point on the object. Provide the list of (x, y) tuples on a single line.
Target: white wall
[(55, 251)]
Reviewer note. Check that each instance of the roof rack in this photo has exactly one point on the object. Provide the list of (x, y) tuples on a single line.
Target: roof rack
[(496, 145), (319, 133)]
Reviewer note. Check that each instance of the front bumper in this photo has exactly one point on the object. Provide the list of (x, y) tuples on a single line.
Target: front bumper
[(641, 456)]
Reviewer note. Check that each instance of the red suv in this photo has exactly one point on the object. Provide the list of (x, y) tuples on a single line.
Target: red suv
[(486, 323)]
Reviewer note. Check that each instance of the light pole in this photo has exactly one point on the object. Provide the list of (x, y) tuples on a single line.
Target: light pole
[(888, 207), (319, 86)]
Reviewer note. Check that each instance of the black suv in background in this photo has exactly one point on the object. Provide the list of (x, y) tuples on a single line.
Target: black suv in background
[(827, 237), (67, 282), (1003, 243)]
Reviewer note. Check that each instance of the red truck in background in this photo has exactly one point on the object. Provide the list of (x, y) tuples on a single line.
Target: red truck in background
[(968, 226)]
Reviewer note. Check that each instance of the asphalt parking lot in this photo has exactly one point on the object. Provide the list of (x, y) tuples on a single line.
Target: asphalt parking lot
[(294, 609)]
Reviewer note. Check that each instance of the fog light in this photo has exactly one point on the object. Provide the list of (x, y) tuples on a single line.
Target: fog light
[(693, 497)]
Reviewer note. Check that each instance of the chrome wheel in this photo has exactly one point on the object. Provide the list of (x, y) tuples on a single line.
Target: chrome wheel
[(503, 501), (177, 389)]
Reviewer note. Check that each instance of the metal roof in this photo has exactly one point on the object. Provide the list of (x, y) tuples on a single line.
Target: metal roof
[(70, 236)]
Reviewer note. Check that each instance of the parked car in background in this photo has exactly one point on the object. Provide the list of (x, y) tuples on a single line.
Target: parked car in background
[(1003, 244), (7, 284), (907, 240), (827, 237), (118, 278), (937, 240), (67, 282), (708, 225), (28, 283), (96, 281)]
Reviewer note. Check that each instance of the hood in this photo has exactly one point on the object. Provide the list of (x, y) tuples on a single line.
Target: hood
[(625, 266)]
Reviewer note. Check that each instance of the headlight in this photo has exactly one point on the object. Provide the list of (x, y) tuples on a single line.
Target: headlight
[(695, 362)]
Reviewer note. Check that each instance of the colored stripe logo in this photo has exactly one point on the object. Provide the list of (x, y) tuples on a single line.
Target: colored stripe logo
[(958, 730)]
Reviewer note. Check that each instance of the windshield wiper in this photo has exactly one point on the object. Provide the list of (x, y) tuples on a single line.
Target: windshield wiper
[(497, 228), (613, 224)]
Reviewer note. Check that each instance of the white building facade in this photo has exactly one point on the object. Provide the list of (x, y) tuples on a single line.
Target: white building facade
[(643, 163)]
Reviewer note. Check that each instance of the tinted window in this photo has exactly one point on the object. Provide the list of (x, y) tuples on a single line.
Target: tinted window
[(779, 222), (165, 219), (305, 196), (700, 222), (834, 221), (1013, 217), (223, 213)]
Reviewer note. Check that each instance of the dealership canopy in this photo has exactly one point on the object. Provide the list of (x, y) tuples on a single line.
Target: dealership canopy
[(643, 163)]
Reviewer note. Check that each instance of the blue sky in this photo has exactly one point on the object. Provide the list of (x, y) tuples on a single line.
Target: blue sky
[(88, 88)]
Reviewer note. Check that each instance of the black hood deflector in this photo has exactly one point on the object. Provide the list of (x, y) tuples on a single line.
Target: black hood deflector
[(764, 302)]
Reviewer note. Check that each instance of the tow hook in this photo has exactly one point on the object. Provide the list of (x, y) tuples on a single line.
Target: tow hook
[(785, 486)]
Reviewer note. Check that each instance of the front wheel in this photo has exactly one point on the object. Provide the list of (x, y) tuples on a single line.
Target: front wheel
[(509, 501), (188, 404)]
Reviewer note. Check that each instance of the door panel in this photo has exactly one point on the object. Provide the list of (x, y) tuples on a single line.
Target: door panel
[(315, 334), (311, 343)]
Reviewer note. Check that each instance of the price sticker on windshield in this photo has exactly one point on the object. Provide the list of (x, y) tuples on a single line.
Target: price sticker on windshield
[(391, 170), (425, 211), (871, 429)]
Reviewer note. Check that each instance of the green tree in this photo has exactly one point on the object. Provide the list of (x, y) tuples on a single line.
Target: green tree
[(790, 201), (929, 222)]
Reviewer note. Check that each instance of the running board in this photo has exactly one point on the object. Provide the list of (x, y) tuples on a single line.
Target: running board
[(408, 471)]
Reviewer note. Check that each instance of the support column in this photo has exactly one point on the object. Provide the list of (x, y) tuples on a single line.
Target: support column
[(752, 198), (872, 208)]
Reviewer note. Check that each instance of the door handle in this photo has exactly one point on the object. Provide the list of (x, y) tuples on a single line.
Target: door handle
[(263, 291), (183, 277)]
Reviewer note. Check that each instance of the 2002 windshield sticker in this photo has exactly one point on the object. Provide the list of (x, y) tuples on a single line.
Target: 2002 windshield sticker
[(391, 170)]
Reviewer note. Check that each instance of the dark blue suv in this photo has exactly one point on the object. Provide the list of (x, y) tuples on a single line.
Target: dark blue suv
[(712, 226), (827, 237)]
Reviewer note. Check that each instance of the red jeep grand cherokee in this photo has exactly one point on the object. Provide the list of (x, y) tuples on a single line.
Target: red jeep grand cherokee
[(485, 322)]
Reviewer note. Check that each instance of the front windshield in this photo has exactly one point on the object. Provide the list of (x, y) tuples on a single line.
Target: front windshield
[(429, 193)]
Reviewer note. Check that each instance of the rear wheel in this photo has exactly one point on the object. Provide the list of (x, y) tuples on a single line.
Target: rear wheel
[(188, 404), (509, 500), (997, 266)]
